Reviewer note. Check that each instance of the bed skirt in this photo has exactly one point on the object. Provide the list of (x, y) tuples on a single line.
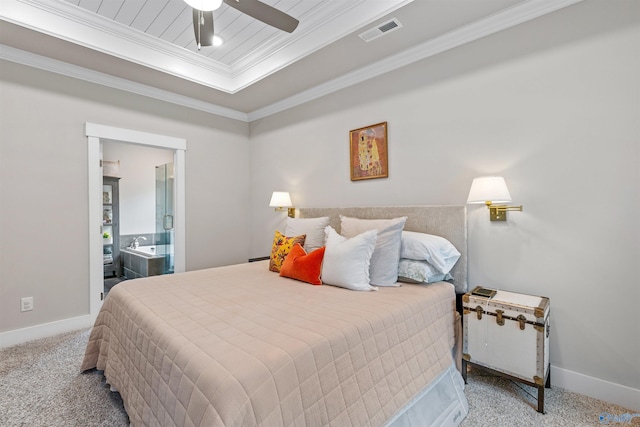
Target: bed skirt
[(441, 403)]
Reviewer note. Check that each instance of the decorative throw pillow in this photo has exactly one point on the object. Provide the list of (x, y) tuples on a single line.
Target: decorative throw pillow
[(436, 250), (280, 249), (302, 266), (313, 228), (384, 262), (412, 271), (346, 261)]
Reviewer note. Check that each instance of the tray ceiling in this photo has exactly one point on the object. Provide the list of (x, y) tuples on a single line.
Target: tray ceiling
[(258, 70)]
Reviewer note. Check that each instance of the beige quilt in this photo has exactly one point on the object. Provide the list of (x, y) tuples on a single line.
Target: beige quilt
[(241, 346)]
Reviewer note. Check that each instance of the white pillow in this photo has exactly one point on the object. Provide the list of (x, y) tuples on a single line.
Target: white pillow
[(312, 227), (412, 271), (346, 261), (436, 250), (384, 262)]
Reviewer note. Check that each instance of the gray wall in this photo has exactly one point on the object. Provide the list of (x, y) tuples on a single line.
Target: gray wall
[(552, 105), (43, 187)]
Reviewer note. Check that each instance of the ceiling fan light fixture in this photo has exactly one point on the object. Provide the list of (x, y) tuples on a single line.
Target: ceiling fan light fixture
[(205, 5), (217, 41)]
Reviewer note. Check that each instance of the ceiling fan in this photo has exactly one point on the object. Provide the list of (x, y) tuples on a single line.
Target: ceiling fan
[(203, 16)]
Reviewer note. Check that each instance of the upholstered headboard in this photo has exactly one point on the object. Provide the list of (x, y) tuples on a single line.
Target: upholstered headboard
[(449, 222)]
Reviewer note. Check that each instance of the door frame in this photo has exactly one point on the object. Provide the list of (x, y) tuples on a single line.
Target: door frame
[(95, 133)]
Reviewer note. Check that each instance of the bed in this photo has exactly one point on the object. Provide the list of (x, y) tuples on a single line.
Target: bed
[(241, 346)]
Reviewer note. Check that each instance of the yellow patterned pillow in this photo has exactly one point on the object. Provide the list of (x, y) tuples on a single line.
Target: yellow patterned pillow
[(281, 247)]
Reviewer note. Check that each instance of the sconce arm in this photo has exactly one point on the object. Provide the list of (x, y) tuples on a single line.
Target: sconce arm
[(499, 212), (291, 211), (506, 208)]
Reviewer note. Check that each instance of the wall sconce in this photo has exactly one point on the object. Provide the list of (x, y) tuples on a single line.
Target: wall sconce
[(281, 200), (490, 190)]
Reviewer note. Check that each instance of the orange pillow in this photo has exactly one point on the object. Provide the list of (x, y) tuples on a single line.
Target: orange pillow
[(302, 266)]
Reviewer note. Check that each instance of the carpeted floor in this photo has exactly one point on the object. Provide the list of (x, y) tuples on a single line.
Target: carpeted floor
[(41, 386)]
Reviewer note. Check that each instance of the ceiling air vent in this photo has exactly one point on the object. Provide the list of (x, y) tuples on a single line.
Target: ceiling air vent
[(380, 30)]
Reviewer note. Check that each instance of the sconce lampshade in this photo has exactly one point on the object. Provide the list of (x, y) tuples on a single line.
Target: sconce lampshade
[(205, 5), (489, 189), (280, 199)]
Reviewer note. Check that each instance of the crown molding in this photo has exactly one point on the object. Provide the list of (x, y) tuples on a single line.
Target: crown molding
[(59, 67), (68, 22), (500, 21), (73, 24), (317, 29)]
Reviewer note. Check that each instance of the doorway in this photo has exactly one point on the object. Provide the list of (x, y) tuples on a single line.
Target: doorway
[(138, 221), (96, 135)]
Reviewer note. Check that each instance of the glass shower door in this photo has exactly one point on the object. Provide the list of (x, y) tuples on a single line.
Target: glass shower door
[(164, 215)]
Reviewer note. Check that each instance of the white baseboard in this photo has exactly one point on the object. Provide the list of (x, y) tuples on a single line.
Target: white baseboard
[(44, 330), (624, 396)]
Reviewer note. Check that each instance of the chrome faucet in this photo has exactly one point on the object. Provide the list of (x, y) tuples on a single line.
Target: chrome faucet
[(134, 243)]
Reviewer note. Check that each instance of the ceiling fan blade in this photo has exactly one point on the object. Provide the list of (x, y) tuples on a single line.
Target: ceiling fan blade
[(265, 13), (203, 31)]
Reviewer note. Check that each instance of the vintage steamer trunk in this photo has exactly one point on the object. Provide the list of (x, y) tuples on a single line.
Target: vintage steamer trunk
[(508, 333)]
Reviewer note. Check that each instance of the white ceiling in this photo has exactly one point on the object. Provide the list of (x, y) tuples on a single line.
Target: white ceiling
[(148, 47), (248, 41), (252, 51)]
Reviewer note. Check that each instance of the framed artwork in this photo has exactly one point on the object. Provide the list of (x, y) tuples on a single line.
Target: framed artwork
[(369, 155)]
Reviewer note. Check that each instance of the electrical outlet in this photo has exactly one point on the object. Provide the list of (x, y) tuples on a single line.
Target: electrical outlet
[(26, 304)]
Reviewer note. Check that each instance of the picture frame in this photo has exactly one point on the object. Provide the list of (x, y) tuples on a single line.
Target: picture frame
[(368, 154)]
